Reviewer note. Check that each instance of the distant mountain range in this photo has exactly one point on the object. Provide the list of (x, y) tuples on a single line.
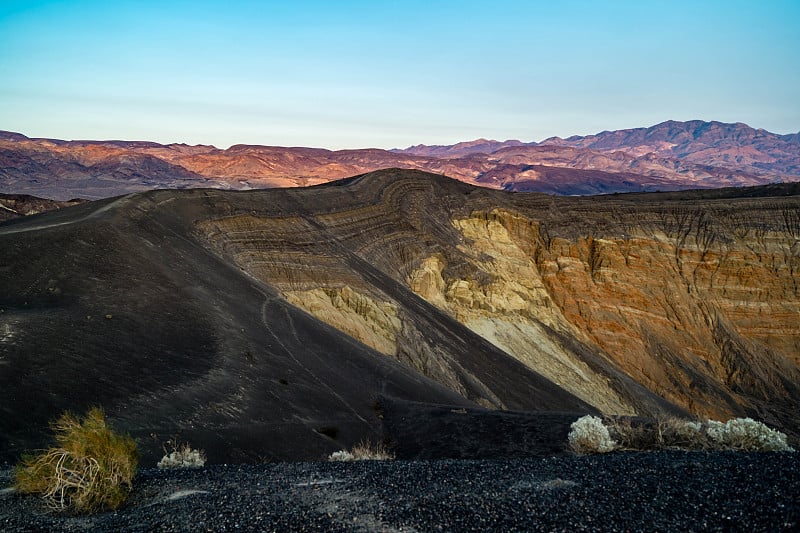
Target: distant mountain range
[(668, 156)]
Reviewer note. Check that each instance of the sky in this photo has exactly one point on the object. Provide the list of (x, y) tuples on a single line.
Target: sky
[(356, 74)]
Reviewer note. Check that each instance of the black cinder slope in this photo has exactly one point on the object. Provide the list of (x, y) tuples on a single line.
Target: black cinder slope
[(125, 303)]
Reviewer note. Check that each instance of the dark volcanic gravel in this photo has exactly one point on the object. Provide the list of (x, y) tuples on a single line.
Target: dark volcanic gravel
[(664, 491)]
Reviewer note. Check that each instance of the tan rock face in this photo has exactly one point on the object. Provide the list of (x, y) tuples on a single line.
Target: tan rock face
[(700, 318), (427, 281), (374, 323)]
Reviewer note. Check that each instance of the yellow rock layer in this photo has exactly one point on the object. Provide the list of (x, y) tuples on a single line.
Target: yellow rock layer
[(507, 307), (371, 322)]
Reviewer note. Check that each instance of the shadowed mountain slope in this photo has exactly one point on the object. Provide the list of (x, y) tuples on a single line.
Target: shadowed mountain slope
[(265, 324)]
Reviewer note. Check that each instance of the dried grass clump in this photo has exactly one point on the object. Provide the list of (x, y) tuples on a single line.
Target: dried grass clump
[(91, 468), (363, 451), (629, 435), (183, 456), (589, 435)]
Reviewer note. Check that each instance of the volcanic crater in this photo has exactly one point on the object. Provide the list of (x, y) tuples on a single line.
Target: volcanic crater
[(285, 324)]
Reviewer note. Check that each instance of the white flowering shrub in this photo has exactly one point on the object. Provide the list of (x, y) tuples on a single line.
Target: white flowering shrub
[(183, 457), (341, 455), (745, 434), (588, 434), (363, 451)]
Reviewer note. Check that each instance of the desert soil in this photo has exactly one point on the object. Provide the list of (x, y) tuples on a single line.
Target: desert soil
[(659, 491)]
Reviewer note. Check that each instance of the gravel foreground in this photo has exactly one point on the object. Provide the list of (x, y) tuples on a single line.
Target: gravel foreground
[(662, 491)]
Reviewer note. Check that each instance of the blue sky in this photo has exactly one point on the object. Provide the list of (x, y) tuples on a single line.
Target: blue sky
[(347, 74)]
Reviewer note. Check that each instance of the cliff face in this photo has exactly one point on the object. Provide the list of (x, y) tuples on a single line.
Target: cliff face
[(700, 306), (619, 300), (505, 300)]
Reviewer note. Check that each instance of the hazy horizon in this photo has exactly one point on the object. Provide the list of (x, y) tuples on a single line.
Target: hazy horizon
[(391, 74), (322, 147)]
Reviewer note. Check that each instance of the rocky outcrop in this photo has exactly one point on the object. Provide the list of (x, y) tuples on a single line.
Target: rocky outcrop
[(698, 302), (373, 323), (508, 304)]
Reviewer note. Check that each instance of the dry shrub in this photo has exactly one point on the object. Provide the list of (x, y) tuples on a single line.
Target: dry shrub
[(672, 433), (341, 455), (629, 435), (676, 433), (183, 456), (363, 451), (664, 433), (90, 469), (588, 435), (746, 434)]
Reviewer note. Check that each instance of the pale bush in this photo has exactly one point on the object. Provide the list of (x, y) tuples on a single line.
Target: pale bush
[(341, 455), (745, 434), (90, 470), (588, 434), (364, 451), (183, 456)]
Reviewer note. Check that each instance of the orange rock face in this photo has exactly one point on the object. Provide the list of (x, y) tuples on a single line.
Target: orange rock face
[(700, 305)]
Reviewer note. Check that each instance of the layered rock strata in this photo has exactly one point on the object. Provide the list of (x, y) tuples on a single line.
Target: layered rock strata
[(693, 300)]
